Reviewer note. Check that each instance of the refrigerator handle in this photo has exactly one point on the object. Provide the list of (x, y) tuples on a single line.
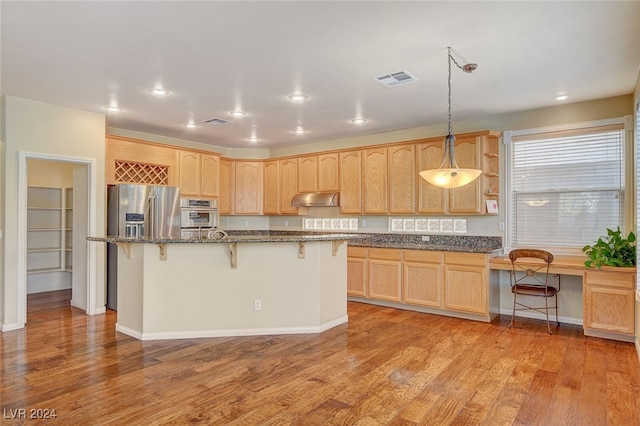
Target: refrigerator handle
[(153, 211)]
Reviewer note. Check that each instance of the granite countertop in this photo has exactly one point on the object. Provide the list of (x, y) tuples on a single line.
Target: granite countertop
[(452, 243), (232, 238)]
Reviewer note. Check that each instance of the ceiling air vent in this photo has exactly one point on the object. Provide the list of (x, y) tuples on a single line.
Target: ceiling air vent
[(217, 122), (396, 79)]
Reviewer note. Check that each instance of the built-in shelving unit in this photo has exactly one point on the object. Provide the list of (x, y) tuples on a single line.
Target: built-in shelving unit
[(491, 167), (49, 232)]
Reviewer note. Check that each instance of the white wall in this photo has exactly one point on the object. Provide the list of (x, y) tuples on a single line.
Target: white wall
[(36, 127)]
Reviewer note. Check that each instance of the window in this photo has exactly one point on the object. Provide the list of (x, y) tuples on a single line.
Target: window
[(567, 187)]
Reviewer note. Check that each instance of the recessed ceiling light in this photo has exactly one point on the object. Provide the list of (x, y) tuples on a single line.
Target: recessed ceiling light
[(112, 108), (191, 124), (299, 131), (253, 139), (159, 91), (358, 120), (298, 97), (237, 113), (562, 97)]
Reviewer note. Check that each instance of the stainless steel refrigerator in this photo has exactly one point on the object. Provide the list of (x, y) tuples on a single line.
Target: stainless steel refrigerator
[(137, 211)]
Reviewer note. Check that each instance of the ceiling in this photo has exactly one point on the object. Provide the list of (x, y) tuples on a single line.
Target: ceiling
[(216, 56)]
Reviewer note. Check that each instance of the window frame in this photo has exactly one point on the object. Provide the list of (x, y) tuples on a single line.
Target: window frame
[(629, 177)]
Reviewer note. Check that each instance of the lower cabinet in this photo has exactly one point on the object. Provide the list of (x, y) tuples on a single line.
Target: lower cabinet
[(451, 283), (422, 278), (385, 274), (609, 303), (357, 271), (466, 278)]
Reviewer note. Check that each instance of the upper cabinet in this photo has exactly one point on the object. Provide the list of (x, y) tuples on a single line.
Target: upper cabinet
[(431, 199), (467, 199), (288, 185), (227, 186), (248, 179), (328, 172), (351, 182), (271, 204), (308, 173), (374, 181), (133, 161), (402, 179), (199, 174)]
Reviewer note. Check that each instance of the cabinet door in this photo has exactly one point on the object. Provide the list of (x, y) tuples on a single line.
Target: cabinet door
[(402, 179), (248, 188), (422, 278), (272, 187), (384, 272), (465, 289), (227, 185), (308, 174), (374, 181), (189, 173), (350, 182), (609, 309), (467, 199), (356, 271), (609, 301), (210, 175), (328, 172), (288, 185), (431, 199), (135, 161)]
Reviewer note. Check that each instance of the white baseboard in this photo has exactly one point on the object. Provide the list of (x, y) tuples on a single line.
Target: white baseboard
[(10, 327), (198, 334), (536, 315)]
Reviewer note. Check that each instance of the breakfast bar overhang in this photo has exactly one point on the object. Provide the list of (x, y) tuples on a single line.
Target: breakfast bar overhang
[(171, 289)]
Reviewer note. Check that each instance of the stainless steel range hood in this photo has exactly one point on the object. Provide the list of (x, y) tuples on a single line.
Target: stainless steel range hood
[(316, 199)]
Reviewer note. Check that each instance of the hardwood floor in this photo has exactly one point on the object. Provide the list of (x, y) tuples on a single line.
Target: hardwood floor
[(385, 367)]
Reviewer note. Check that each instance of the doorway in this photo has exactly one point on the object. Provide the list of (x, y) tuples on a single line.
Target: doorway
[(76, 217)]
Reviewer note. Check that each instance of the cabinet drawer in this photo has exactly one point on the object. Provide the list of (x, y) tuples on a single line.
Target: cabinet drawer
[(423, 256), (387, 254), (610, 278), (360, 252), (476, 259)]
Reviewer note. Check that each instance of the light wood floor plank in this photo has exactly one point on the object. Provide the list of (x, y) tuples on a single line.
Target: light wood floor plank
[(385, 367)]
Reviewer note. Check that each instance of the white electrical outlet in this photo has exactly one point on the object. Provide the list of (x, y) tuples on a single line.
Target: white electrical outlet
[(426, 238), (364, 222), (257, 304), (501, 226), (286, 223), (246, 223)]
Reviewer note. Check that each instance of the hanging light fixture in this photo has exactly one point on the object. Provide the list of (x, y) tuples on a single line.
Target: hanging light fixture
[(449, 175)]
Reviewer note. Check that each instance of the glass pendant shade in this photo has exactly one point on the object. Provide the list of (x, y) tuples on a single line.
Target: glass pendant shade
[(449, 175)]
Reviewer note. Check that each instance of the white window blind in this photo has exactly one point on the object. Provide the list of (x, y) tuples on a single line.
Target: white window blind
[(566, 187)]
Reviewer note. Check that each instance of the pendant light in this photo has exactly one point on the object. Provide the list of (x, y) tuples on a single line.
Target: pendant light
[(449, 175)]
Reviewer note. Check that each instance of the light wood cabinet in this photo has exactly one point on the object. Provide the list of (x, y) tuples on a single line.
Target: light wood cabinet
[(401, 179), (609, 302), (248, 178), (328, 172), (308, 174), (288, 185), (209, 175), (199, 174), (227, 185), (467, 198), (384, 273), (422, 278), (272, 187), (431, 199), (357, 271), (466, 282), (351, 182), (374, 181), (135, 161)]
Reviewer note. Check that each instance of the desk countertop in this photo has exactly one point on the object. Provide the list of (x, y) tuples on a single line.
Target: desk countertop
[(562, 264)]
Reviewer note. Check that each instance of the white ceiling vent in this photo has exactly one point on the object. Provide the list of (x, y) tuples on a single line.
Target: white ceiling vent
[(396, 79), (217, 122)]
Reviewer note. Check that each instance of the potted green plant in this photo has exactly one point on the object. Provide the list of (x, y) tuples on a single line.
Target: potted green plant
[(612, 250)]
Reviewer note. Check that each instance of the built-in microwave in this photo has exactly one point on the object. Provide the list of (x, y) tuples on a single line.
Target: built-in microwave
[(198, 213)]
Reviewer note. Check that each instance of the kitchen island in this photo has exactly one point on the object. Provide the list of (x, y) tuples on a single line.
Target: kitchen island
[(235, 286)]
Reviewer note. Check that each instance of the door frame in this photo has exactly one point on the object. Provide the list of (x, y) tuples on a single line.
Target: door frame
[(91, 260)]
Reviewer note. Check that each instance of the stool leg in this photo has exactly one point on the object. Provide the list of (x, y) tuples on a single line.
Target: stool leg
[(513, 314), (546, 310)]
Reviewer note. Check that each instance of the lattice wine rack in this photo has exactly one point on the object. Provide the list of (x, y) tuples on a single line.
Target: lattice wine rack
[(151, 174)]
